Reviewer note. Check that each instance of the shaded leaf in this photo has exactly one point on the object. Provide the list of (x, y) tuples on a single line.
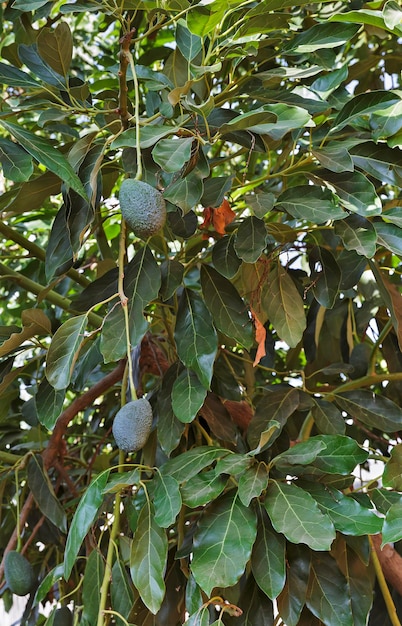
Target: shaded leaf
[(16, 162), (268, 558), (171, 276), (148, 559), (252, 482), (392, 476), (328, 418), (292, 599), (356, 193), (363, 104), (273, 410), (195, 336), (43, 492), (202, 488), (172, 154), (251, 239), (295, 513), (64, 350), (325, 276), (15, 77), (49, 403), (188, 464), (170, 428), (371, 409), (327, 596), (35, 322), (222, 543), (392, 530), (188, 396), (121, 591), (227, 308), (56, 47), (224, 256), (84, 516), (166, 500), (310, 202), (357, 233), (93, 578)]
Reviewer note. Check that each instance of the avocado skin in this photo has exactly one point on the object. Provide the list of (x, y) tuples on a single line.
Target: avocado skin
[(18, 573), (143, 207), (63, 617), (132, 425)]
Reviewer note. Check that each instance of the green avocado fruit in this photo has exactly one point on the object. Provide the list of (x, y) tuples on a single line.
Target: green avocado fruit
[(143, 207), (63, 617), (18, 573), (132, 425)]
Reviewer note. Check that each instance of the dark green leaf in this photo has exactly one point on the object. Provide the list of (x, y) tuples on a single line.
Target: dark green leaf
[(84, 517), (16, 162), (258, 121), (228, 310), (185, 192), (327, 596), (148, 559), (252, 482), (64, 350), (348, 516), (43, 492), (392, 476), (302, 453), (188, 464), (292, 599), (328, 418), (59, 252), (384, 499), (275, 408), (373, 410), (356, 193), (188, 43), (357, 233), (113, 342), (171, 275), (202, 488), (121, 591), (224, 256), (31, 58), (379, 161), (340, 455), (320, 36), (142, 282), (188, 396), (268, 558), (389, 236), (251, 239), (170, 428), (358, 578), (215, 190), (295, 513), (222, 543), (45, 153), (363, 104), (307, 202), (166, 499), (392, 530), (325, 276), (92, 583), (195, 336), (13, 77), (172, 154)]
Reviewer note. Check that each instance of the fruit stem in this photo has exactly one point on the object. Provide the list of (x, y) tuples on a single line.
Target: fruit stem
[(138, 175), (18, 548)]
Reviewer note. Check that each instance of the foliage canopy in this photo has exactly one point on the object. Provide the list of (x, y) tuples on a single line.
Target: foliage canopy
[(263, 323)]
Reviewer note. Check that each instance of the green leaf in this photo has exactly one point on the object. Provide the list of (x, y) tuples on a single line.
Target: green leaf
[(251, 239), (92, 583), (172, 154), (84, 516), (121, 592), (43, 492), (257, 121), (56, 47), (185, 192), (202, 488), (142, 282), (171, 276), (371, 409), (13, 77), (328, 418), (166, 499), (222, 543), (149, 136), (327, 596), (268, 558), (384, 499), (358, 579), (356, 193), (170, 429), (16, 162), (392, 476), (364, 104), (260, 203), (340, 455), (195, 336), (335, 158), (295, 513), (59, 252), (312, 203), (389, 236), (188, 43), (348, 516), (325, 276), (64, 350), (273, 410), (321, 36), (227, 308), (252, 482), (188, 396), (392, 529), (302, 453), (357, 233), (113, 342), (45, 153), (292, 599), (379, 161), (224, 256), (47, 583), (148, 559), (190, 463), (284, 306)]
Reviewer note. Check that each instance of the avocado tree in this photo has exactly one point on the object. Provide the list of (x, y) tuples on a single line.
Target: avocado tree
[(250, 301)]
